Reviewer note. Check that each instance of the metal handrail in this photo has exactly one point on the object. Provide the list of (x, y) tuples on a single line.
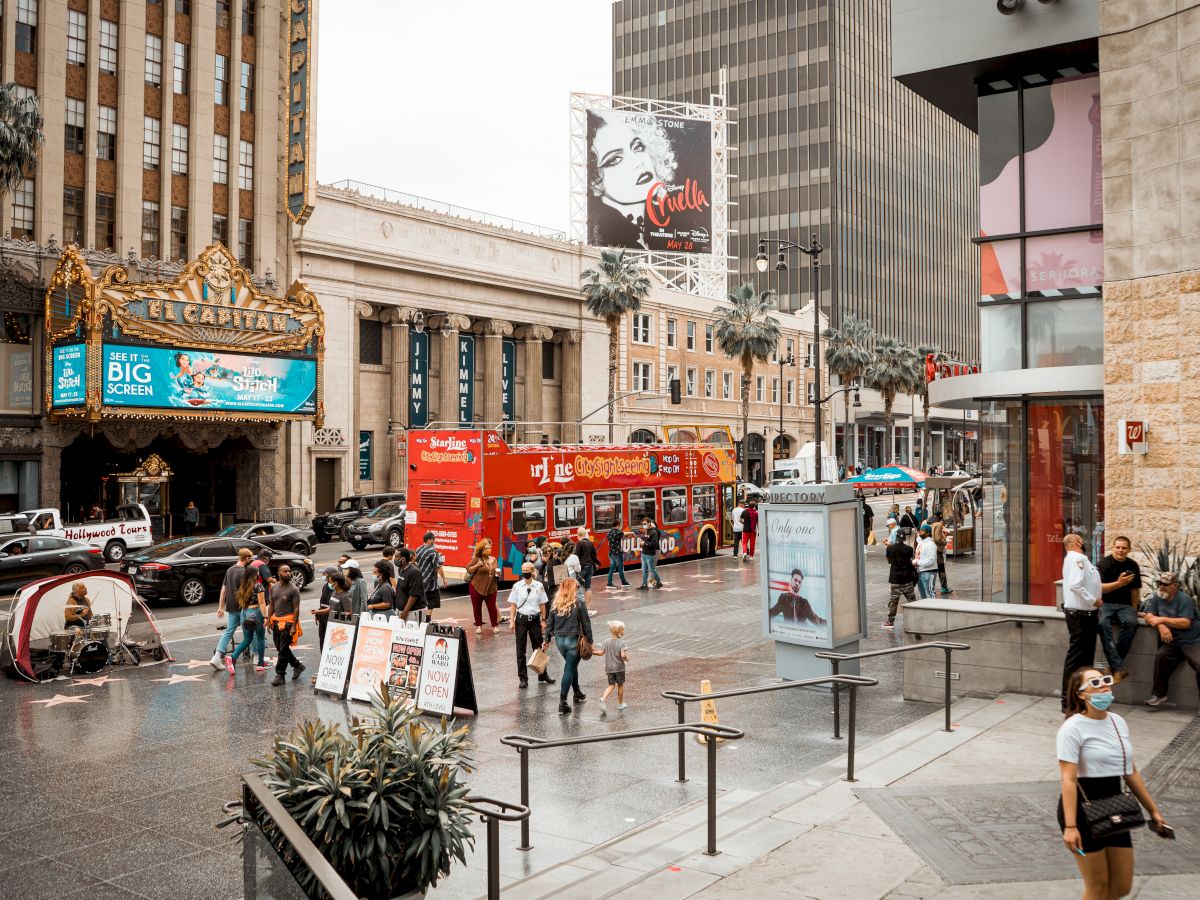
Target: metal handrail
[(493, 812), (854, 682), (836, 658), (524, 743), (1019, 621)]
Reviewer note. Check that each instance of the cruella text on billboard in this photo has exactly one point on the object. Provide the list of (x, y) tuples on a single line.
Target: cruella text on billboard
[(649, 181)]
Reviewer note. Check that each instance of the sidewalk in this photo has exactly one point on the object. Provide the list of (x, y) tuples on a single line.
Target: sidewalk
[(967, 814)]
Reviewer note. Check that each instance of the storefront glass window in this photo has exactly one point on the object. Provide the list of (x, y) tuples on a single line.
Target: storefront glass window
[(1002, 521), (1062, 154), (1000, 337), (18, 485), (16, 364), (1065, 333), (999, 152)]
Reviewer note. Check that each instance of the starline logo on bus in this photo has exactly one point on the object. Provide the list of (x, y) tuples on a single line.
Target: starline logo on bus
[(449, 443)]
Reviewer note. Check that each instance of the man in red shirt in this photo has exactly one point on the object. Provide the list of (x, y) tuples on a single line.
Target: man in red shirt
[(750, 529)]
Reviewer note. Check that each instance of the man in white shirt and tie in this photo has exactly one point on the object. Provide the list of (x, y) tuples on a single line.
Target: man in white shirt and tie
[(1081, 588), (528, 601)]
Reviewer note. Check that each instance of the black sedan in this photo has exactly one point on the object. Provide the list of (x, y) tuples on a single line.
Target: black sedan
[(26, 558), (274, 535), (191, 569)]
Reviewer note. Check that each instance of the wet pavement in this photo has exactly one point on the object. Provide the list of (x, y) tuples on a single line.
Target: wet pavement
[(112, 785)]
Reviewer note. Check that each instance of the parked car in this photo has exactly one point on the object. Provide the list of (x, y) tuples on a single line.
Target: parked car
[(335, 525), (191, 569), (26, 558), (382, 525), (274, 535)]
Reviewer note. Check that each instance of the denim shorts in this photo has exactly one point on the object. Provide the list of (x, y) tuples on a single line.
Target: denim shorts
[(585, 577)]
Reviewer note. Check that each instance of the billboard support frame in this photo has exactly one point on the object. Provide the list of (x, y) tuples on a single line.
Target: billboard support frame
[(697, 274)]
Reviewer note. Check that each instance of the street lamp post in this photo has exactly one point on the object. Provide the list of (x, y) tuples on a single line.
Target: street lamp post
[(789, 360), (813, 251)]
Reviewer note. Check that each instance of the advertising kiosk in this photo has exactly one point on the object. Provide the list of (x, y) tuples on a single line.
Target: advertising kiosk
[(814, 581)]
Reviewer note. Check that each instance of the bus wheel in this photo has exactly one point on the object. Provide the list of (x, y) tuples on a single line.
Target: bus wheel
[(708, 544)]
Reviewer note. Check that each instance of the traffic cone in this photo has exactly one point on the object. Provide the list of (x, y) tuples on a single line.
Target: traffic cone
[(708, 712)]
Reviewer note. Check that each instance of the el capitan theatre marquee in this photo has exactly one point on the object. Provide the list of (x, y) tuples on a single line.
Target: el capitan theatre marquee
[(208, 344)]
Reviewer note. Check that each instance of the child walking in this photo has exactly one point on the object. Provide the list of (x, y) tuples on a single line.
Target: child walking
[(615, 655)]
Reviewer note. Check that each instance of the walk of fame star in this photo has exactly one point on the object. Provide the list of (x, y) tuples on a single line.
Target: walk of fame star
[(58, 699), (98, 681), (176, 678), (191, 664)]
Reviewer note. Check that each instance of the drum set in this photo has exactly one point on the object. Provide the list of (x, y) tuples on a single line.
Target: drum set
[(87, 649)]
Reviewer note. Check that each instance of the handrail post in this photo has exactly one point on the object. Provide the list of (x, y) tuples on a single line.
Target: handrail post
[(712, 796), (679, 706), (948, 652), (523, 752), (493, 855), (850, 727), (837, 704)]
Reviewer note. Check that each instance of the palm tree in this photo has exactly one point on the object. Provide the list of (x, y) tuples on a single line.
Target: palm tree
[(617, 286), (747, 330), (892, 369), (924, 351), (20, 137), (847, 354)]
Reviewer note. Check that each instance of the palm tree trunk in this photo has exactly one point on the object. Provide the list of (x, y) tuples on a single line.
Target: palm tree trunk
[(890, 437), (745, 421), (925, 438), (846, 433), (614, 345)]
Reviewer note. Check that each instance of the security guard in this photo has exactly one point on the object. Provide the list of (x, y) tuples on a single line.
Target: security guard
[(1081, 606)]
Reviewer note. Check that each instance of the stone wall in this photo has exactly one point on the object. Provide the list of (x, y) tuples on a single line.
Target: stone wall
[(1150, 103)]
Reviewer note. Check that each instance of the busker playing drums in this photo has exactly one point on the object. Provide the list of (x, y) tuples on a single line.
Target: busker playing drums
[(78, 610)]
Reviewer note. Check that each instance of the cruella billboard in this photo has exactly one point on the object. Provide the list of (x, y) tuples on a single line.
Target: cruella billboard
[(649, 181)]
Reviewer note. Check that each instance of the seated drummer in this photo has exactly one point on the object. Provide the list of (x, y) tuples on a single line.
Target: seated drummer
[(78, 611)]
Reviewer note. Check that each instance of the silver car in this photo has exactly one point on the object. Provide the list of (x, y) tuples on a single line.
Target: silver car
[(382, 525)]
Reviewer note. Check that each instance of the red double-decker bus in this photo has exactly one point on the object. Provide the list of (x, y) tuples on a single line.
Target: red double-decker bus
[(468, 485)]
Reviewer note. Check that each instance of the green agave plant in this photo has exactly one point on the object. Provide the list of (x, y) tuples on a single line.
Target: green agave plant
[(1174, 557), (385, 803)]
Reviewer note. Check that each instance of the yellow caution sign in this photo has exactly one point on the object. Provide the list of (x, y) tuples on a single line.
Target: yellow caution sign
[(708, 711)]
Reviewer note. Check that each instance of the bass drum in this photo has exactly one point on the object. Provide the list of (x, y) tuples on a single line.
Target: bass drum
[(92, 657)]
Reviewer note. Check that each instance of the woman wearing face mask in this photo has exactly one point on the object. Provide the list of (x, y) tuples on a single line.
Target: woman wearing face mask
[(1094, 755)]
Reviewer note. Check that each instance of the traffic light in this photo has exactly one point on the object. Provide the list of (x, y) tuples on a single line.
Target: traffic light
[(676, 394)]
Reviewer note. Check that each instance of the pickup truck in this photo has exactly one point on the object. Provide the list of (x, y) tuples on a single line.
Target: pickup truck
[(129, 529)]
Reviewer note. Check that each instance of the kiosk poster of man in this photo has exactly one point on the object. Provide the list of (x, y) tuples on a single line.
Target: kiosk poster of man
[(649, 180), (799, 584)]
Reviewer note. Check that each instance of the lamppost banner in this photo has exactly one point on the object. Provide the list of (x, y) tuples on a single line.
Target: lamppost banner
[(466, 379), (649, 181), (508, 370)]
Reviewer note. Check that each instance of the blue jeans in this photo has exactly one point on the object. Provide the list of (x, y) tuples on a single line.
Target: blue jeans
[(649, 568), (926, 581), (233, 618), (252, 634), (617, 567), (1126, 617), (568, 647)]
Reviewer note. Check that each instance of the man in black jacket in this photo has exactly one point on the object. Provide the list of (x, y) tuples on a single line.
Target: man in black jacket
[(410, 586), (616, 553), (651, 542), (902, 575), (586, 551)]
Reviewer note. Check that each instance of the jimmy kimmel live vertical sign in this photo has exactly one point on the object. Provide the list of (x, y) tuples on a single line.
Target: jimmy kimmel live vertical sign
[(508, 376), (418, 379), (466, 379), (301, 55)]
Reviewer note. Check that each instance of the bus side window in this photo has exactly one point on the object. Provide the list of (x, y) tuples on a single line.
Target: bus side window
[(528, 515), (606, 510), (570, 511), (675, 511), (704, 502), (642, 506)]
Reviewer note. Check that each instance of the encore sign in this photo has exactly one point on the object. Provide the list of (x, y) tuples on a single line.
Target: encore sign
[(300, 143)]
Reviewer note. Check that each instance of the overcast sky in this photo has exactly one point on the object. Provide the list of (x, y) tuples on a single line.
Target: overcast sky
[(463, 102)]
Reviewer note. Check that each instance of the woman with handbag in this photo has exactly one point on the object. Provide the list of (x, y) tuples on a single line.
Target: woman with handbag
[(483, 584), (569, 625), (253, 603), (1095, 812)]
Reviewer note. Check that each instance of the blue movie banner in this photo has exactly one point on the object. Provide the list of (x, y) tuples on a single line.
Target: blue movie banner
[(69, 375), (166, 378)]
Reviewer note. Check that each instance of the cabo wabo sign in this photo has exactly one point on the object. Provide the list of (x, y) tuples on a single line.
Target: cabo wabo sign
[(208, 342)]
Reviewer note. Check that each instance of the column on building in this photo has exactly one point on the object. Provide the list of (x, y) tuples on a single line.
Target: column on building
[(531, 415), (489, 367), (448, 326), (397, 318), (572, 383)]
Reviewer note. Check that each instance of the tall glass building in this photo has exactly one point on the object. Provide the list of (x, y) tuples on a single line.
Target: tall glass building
[(827, 142)]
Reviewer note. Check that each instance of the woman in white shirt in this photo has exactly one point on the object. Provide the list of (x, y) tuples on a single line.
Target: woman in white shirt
[(1094, 755)]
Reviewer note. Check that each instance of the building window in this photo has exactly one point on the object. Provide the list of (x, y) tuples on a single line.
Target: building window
[(179, 149), (106, 221), (27, 15), (73, 216), (691, 335), (151, 141), (710, 383), (153, 60), (23, 209), (179, 232), (643, 376), (758, 388), (183, 7), (106, 133), (246, 166), (247, 96), (774, 390), (726, 385), (641, 328), (150, 229), (672, 375), (246, 243), (108, 47), (370, 342), (220, 159), (248, 17), (180, 68), (18, 479), (708, 338), (547, 361), (221, 229), (690, 386), (791, 346), (791, 391), (76, 38), (221, 87), (73, 140), (671, 337), (222, 13)]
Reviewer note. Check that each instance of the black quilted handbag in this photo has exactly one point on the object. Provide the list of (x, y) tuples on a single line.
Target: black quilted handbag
[(1117, 814)]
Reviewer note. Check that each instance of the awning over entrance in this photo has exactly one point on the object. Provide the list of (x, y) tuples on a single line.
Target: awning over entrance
[(208, 344)]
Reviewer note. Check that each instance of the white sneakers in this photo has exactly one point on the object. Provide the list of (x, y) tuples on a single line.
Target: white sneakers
[(217, 661)]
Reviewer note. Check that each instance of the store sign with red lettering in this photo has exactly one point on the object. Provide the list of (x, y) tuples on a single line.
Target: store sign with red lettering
[(439, 669), (1131, 436)]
